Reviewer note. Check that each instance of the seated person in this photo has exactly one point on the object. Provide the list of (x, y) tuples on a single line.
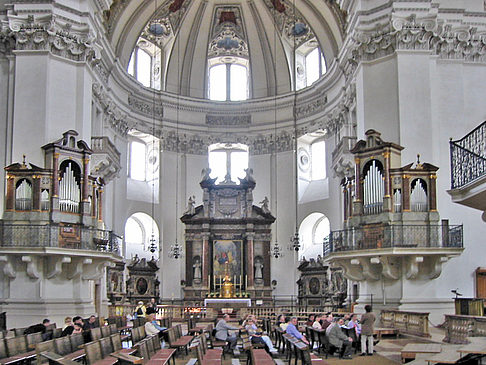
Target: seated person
[(317, 323), (140, 310), (91, 322), (222, 328), (283, 322), (85, 330), (338, 339), (292, 330), (310, 320), (152, 328), (68, 321), (327, 321), (40, 327), (257, 337), (77, 328)]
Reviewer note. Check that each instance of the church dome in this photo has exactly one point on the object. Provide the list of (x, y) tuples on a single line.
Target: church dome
[(182, 46)]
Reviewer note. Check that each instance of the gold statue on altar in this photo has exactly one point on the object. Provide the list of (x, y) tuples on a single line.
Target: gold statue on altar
[(227, 289)]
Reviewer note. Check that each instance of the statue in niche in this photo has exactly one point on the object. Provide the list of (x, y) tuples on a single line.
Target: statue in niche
[(191, 202), (197, 270), (258, 270), (264, 205)]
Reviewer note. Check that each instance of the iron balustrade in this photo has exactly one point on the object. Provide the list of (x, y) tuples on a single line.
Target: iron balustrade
[(51, 235), (389, 236), (468, 157)]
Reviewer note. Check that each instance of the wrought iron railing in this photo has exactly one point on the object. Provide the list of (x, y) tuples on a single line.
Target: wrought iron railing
[(51, 235), (468, 157), (387, 236)]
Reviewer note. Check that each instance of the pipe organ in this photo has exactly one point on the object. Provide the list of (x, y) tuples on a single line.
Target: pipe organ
[(63, 186), (23, 195), (69, 191), (373, 189), (381, 186)]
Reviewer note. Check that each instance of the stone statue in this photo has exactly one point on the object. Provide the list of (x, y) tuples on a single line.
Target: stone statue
[(191, 205), (264, 205), (249, 175), (197, 271), (258, 270), (205, 174)]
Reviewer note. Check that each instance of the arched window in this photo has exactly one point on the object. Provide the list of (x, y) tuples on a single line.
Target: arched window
[(144, 64), (228, 161), (310, 65), (143, 156), (312, 168), (312, 231), (228, 79), (140, 229)]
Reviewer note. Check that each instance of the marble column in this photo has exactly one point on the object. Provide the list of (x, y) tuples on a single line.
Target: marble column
[(250, 236), (205, 259)]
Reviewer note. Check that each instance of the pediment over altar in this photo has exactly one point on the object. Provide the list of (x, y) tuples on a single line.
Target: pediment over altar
[(228, 200)]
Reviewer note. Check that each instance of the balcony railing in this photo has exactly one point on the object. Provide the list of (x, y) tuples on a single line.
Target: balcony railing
[(389, 236), (73, 237), (468, 157)]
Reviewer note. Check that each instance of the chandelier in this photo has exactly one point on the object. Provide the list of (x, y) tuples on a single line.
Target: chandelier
[(276, 251), (175, 251)]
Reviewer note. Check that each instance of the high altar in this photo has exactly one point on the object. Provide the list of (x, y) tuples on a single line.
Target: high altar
[(227, 243)]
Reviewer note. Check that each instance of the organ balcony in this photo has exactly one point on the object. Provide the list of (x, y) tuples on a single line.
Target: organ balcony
[(468, 169), (370, 252), (53, 215), (391, 223)]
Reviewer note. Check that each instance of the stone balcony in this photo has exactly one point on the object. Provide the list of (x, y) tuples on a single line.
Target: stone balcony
[(391, 251)]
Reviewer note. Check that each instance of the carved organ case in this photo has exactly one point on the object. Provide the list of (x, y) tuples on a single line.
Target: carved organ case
[(63, 192), (383, 192), (227, 232)]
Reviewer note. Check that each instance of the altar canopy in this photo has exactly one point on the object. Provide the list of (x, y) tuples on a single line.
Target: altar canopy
[(227, 243)]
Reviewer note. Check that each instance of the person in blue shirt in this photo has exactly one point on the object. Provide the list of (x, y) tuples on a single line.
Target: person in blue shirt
[(292, 330), (151, 326)]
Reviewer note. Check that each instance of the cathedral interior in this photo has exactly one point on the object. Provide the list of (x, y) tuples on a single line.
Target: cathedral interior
[(319, 154)]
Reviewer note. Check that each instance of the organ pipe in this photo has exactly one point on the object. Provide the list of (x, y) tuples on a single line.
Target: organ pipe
[(374, 189), (23, 196), (69, 192)]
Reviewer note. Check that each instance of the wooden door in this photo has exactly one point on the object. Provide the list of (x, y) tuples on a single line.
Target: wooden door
[(481, 282)]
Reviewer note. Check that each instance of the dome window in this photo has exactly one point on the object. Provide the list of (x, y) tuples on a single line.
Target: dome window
[(228, 79)]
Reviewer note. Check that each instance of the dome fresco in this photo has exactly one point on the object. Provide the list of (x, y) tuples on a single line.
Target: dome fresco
[(265, 32)]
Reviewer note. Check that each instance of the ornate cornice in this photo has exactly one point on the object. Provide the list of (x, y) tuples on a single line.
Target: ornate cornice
[(228, 120), (446, 40), (116, 118), (56, 35), (151, 110)]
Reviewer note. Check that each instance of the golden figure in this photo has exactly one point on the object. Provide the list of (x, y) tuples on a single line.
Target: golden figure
[(227, 289)]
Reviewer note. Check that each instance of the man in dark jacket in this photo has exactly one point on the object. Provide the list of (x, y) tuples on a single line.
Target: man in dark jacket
[(40, 327)]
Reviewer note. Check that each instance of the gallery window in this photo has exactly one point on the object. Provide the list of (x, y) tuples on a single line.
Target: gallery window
[(310, 65), (228, 161), (228, 79)]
